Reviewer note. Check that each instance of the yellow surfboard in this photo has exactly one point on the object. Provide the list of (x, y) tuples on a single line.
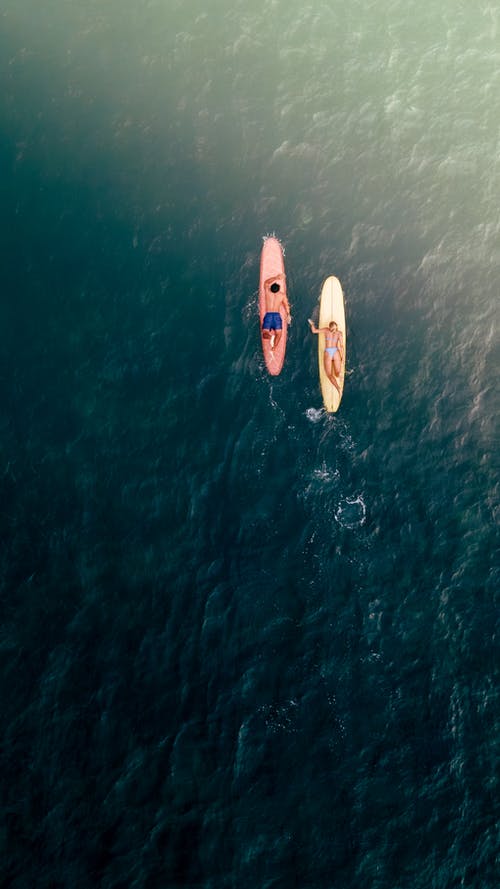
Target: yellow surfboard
[(331, 308)]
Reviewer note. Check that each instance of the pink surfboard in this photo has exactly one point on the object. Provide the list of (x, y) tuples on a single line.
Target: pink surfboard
[(272, 263)]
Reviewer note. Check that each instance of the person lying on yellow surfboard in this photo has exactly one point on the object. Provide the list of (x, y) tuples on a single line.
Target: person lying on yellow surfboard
[(334, 350)]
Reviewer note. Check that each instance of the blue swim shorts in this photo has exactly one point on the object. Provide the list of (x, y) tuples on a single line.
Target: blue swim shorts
[(272, 321)]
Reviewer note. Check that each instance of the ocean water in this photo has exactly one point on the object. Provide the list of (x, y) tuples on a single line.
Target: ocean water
[(246, 644)]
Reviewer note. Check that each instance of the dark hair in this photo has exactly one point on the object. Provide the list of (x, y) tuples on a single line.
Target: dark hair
[(275, 287)]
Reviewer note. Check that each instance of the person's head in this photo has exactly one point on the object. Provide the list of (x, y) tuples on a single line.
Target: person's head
[(332, 325), (274, 287)]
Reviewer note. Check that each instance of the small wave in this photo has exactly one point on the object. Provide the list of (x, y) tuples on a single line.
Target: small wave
[(324, 474), (314, 414), (250, 311), (346, 439), (351, 513)]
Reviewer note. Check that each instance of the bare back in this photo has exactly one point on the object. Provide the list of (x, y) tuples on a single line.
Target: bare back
[(275, 300)]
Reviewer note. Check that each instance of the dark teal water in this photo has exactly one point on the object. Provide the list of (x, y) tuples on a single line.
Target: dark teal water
[(245, 643)]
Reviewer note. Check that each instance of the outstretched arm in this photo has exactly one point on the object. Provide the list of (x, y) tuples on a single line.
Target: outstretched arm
[(315, 329)]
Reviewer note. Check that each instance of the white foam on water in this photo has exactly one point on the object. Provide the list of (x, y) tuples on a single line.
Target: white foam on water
[(314, 414), (326, 474), (351, 512)]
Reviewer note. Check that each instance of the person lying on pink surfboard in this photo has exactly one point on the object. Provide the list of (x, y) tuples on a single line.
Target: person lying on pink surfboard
[(275, 295)]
